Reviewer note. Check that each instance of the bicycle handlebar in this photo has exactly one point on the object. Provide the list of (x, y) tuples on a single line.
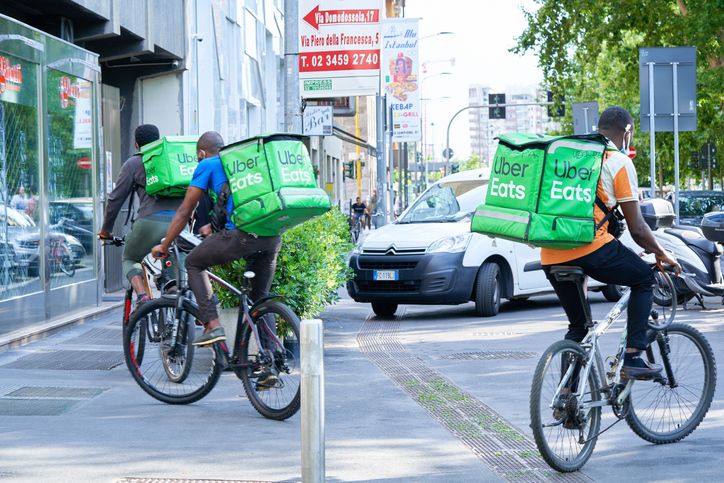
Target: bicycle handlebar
[(115, 241)]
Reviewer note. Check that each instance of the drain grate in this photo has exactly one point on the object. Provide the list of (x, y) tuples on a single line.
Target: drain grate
[(69, 360), (100, 336), (488, 435), (184, 480), (38, 392), (488, 355), (36, 407)]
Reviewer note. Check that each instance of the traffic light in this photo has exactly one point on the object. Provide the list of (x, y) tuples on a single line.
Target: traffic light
[(496, 112), (560, 107), (694, 162), (348, 170), (454, 167), (418, 157)]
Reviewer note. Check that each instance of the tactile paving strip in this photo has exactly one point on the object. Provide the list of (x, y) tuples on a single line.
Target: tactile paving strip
[(175, 480), (36, 407), (38, 392), (488, 355), (99, 336), (490, 437), (69, 360)]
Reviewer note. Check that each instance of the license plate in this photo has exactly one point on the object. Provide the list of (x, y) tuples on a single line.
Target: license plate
[(386, 275)]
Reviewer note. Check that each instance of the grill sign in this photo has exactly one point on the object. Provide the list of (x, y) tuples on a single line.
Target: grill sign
[(11, 76)]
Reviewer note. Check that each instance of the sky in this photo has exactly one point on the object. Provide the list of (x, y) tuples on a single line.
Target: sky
[(483, 31)]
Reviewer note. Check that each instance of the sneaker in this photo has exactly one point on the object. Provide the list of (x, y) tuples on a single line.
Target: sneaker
[(636, 367), (210, 337), (266, 380)]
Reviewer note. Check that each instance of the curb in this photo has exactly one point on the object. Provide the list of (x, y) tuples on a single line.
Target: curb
[(42, 330)]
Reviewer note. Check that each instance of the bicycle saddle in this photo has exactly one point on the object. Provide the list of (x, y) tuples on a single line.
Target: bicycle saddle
[(565, 273)]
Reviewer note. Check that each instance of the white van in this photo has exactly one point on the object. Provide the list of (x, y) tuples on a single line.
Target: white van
[(429, 256)]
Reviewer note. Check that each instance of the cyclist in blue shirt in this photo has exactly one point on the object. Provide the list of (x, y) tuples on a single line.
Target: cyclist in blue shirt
[(226, 244)]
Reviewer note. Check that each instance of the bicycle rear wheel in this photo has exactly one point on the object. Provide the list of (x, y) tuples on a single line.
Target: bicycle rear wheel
[(183, 380), (564, 434), (279, 400), (663, 414)]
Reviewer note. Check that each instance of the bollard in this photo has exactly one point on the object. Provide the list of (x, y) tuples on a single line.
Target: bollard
[(312, 402)]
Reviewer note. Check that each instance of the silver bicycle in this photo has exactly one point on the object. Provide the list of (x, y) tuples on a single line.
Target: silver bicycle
[(572, 383)]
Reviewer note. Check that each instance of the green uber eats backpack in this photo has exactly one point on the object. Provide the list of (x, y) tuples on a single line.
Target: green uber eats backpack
[(542, 190), (170, 163), (272, 184)]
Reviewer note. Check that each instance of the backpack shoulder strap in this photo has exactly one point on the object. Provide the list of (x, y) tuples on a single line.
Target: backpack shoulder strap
[(130, 215), (609, 213)]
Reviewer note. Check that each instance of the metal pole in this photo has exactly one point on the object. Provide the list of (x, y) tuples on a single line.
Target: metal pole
[(390, 164), (585, 119), (708, 164), (652, 129), (400, 173), (675, 66), (293, 100), (405, 171), (312, 401), (381, 162)]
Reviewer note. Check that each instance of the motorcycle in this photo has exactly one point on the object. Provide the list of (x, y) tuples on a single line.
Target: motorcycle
[(699, 252)]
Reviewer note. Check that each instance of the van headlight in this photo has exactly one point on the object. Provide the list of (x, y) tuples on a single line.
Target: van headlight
[(357, 249), (450, 244)]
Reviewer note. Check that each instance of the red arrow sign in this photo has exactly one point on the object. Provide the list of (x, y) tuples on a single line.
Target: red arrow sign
[(317, 17), (631, 152)]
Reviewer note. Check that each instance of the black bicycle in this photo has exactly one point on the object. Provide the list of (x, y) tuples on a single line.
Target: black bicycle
[(264, 355)]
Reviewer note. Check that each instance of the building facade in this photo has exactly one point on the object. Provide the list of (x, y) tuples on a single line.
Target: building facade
[(188, 66)]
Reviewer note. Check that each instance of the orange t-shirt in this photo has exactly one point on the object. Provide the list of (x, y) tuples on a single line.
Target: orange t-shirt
[(618, 184)]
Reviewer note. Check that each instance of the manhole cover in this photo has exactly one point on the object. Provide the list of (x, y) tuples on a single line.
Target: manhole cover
[(488, 355), (100, 336), (35, 407), (56, 392), (69, 361)]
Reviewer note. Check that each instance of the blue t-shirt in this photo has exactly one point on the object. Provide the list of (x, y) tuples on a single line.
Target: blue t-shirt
[(210, 175)]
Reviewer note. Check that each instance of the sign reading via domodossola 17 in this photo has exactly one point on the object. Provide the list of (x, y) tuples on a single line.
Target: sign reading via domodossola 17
[(339, 48)]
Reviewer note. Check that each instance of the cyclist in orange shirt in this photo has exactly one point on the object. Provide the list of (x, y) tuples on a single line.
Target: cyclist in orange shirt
[(606, 259)]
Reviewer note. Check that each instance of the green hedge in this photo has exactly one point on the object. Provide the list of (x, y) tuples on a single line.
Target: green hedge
[(310, 268)]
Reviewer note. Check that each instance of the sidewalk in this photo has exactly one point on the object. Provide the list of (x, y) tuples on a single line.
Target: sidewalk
[(435, 395)]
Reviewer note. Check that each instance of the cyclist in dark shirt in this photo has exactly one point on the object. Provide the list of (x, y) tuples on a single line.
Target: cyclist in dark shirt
[(358, 211)]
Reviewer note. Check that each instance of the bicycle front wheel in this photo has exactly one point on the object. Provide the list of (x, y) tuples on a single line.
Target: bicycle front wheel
[(671, 406), (278, 396), (564, 432), (166, 372)]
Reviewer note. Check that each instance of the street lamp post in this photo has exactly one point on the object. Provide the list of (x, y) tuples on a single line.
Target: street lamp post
[(424, 118)]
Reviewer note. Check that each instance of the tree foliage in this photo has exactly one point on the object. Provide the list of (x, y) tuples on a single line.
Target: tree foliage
[(588, 50)]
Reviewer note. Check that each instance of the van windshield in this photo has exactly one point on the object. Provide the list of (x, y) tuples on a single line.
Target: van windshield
[(446, 202)]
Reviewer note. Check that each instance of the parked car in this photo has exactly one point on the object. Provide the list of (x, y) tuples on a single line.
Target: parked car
[(77, 213), (693, 205), (429, 256), (24, 235)]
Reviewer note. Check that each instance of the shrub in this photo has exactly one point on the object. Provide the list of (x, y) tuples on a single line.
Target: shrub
[(310, 268)]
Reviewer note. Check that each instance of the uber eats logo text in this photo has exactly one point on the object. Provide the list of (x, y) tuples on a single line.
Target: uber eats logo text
[(151, 176), (294, 167), (184, 159), (570, 192), (241, 175), (503, 167)]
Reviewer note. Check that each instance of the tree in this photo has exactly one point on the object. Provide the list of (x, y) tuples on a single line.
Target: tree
[(589, 51)]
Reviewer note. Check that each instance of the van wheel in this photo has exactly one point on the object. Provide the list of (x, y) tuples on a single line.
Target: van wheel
[(382, 309), (487, 290), (612, 292)]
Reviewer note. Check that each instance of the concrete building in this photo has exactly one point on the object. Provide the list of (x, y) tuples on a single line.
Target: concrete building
[(483, 130), (187, 66)]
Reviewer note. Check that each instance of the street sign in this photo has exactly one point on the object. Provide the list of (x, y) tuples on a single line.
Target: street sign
[(585, 117), (317, 121), (83, 163), (661, 62), (400, 77), (496, 112), (448, 153), (339, 48)]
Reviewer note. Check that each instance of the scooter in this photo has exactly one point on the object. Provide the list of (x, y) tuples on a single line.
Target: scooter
[(698, 255)]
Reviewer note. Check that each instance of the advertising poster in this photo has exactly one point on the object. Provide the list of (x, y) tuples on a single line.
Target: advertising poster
[(339, 48), (400, 77)]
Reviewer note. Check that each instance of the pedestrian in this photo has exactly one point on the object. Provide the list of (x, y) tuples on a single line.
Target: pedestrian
[(154, 212), (368, 218), (372, 208), (19, 201)]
